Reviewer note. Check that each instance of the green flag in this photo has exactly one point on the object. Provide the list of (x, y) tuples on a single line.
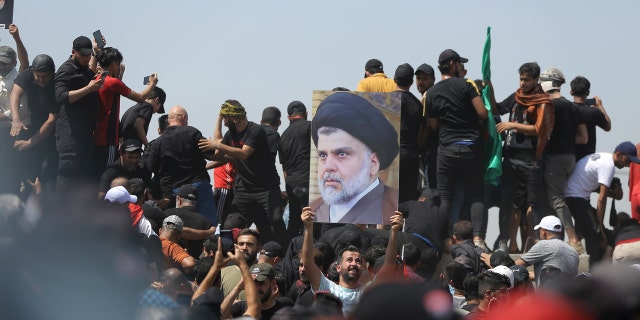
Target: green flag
[(493, 143)]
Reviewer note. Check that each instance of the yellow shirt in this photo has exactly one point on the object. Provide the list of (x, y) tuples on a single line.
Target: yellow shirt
[(377, 83)]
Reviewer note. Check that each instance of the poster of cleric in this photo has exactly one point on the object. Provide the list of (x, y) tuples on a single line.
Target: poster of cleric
[(354, 157)]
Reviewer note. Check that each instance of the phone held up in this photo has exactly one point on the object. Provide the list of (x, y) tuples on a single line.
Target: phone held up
[(145, 81), (97, 35)]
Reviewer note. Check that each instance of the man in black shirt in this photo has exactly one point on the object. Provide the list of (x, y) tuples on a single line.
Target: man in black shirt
[(455, 108), (410, 122), (294, 149), (270, 123), (176, 160), (128, 166), (135, 121), (425, 78), (35, 145), (593, 115), (257, 186), (76, 93), (559, 154)]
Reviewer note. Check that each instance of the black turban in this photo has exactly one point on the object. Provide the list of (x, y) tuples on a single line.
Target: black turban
[(358, 117)]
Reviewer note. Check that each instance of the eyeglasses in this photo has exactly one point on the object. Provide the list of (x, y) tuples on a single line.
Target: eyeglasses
[(268, 253)]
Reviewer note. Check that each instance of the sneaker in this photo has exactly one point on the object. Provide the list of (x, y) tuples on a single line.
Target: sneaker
[(480, 244), (577, 246), (502, 246)]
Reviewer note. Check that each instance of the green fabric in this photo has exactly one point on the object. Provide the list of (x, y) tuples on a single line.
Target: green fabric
[(493, 143)]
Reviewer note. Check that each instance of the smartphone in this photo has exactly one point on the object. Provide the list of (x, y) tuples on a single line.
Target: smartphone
[(591, 102), (97, 35), (104, 75), (145, 81), (227, 234)]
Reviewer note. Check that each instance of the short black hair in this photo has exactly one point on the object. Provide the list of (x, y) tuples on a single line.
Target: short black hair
[(234, 220), (456, 272), (250, 232), (463, 230), (350, 248), (490, 280), (580, 86), (373, 253), (163, 122), (470, 285), (530, 68), (412, 254), (201, 269), (108, 55), (157, 92)]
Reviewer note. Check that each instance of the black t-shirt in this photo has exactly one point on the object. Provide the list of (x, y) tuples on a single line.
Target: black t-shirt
[(295, 148), (424, 218), (142, 110), (79, 117), (194, 220), (240, 307), (563, 136), (40, 101), (518, 145), (273, 138), (450, 101), (176, 159), (114, 171), (258, 171), (410, 119), (592, 117)]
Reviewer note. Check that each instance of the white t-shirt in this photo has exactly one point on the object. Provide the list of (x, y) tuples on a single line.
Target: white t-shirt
[(589, 173), (349, 297)]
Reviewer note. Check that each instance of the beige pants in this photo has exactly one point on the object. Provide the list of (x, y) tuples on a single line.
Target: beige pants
[(627, 253)]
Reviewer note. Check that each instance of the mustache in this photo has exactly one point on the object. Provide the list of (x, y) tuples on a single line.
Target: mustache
[(331, 176)]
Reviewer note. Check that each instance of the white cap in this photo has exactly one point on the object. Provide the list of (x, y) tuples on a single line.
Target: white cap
[(551, 223), (119, 195), (505, 271)]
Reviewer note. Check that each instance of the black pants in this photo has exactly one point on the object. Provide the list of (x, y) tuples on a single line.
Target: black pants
[(514, 174), (408, 188), (298, 195), (264, 208), (587, 224)]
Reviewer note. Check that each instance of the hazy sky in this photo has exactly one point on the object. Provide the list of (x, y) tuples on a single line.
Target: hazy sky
[(266, 53)]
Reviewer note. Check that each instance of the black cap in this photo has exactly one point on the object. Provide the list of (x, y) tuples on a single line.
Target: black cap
[(404, 75), (131, 145), (296, 107), (361, 119), (449, 54), (272, 249), (43, 63), (426, 69), (83, 45), (373, 66), (271, 114), (189, 192)]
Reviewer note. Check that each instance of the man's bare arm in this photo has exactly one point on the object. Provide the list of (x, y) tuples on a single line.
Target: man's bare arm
[(313, 272)]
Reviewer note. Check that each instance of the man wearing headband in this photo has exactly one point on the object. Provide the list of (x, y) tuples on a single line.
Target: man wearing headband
[(354, 141), (257, 186)]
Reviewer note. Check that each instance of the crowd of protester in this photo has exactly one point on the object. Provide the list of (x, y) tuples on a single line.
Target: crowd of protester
[(97, 221)]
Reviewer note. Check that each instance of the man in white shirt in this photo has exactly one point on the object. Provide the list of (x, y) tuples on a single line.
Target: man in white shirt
[(594, 173)]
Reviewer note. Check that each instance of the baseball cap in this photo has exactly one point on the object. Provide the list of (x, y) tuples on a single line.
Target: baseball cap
[(551, 79), (404, 74), (505, 271), (173, 222), (271, 114), (296, 106), (627, 148), (426, 69), (131, 145), (44, 63), (188, 191), (7, 54), (83, 45), (119, 195), (373, 66), (551, 223), (262, 271), (520, 273), (272, 249), (450, 54)]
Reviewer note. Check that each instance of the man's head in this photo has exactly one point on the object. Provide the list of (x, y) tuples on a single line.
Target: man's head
[(138, 189), (404, 76), (81, 50), (349, 265), (264, 276), (271, 253), (233, 114), (354, 141), (580, 87), (156, 99), (296, 109), (43, 69), (624, 154), (172, 228), (425, 78), (451, 63), (271, 117), (178, 116), (175, 284), (551, 80), (492, 287), (372, 67), (187, 196), (318, 260), (109, 59), (529, 77), (549, 226), (249, 243), (163, 123), (130, 153), (7, 60), (120, 195), (462, 230)]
